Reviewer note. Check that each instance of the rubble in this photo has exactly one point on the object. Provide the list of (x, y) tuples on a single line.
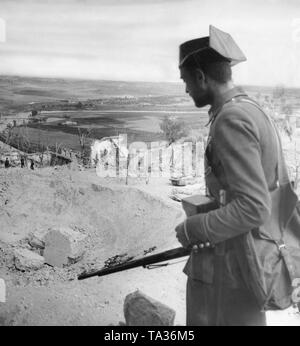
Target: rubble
[(141, 310), (63, 246), (25, 259), (35, 240), (113, 218)]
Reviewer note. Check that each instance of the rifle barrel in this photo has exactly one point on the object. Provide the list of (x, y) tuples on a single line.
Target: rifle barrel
[(156, 258)]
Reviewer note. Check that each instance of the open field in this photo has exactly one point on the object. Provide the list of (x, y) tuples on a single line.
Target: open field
[(108, 108), (139, 126)]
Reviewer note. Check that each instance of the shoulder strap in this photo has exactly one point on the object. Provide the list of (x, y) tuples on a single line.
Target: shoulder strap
[(281, 169)]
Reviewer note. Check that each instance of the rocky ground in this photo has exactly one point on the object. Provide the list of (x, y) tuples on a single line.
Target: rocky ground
[(111, 219), (114, 220)]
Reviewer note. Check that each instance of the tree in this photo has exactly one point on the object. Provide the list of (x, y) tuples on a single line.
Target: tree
[(79, 105), (83, 135), (57, 147), (173, 129)]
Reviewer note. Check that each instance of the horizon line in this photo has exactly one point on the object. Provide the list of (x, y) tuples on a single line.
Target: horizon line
[(134, 81)]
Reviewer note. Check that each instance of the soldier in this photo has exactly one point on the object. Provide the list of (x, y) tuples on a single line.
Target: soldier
[(240, 158), (6, 163), (22, 162)]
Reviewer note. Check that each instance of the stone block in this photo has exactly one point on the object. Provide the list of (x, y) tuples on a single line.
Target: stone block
[(63, 246), (36, 240), (141, 310)]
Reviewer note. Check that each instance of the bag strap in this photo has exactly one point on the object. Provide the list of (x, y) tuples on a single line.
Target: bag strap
[(219, 268), (281, 170), (283, 179)]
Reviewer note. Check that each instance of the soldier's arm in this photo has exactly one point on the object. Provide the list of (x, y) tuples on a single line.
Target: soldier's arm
[(237, 144)]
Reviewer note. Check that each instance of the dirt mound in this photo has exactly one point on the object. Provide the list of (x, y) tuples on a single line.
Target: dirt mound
[(116, 220)]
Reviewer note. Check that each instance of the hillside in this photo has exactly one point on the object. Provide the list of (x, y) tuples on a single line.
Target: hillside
[(115, 220), (16, 91)]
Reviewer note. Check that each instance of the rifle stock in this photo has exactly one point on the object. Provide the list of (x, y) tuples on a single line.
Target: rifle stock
[(141, 262)]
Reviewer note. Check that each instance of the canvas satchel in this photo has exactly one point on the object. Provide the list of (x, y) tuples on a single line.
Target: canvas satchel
[(269, 256)]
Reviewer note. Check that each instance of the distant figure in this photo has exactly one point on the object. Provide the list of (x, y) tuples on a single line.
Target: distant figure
[(22, 162), (32, 165), (7, 164)]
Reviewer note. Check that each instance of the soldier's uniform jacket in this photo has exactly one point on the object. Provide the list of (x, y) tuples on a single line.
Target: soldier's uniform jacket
[(240, 158)]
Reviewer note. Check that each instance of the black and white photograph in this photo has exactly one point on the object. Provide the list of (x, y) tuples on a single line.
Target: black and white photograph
[(149, 165)]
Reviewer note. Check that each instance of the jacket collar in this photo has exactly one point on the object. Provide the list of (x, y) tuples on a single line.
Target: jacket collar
[(226, 97)]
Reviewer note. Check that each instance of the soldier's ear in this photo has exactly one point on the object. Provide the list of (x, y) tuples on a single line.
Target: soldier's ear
[(200, 75)]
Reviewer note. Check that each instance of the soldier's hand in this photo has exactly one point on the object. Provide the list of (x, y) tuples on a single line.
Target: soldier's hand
[(180, 235)]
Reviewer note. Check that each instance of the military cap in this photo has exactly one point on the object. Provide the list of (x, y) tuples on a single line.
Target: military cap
[(218, 46)]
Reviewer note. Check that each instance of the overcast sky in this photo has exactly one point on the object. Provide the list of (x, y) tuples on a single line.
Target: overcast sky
[(139, 39)]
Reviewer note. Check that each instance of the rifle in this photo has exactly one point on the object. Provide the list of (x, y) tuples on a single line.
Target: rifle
[(191, 205), (144, 262)]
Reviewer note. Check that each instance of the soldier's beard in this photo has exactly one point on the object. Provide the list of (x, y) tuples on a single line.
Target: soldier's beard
[(202, 100)]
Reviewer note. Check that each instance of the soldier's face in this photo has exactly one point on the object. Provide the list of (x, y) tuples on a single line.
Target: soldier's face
[(196, 86)]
